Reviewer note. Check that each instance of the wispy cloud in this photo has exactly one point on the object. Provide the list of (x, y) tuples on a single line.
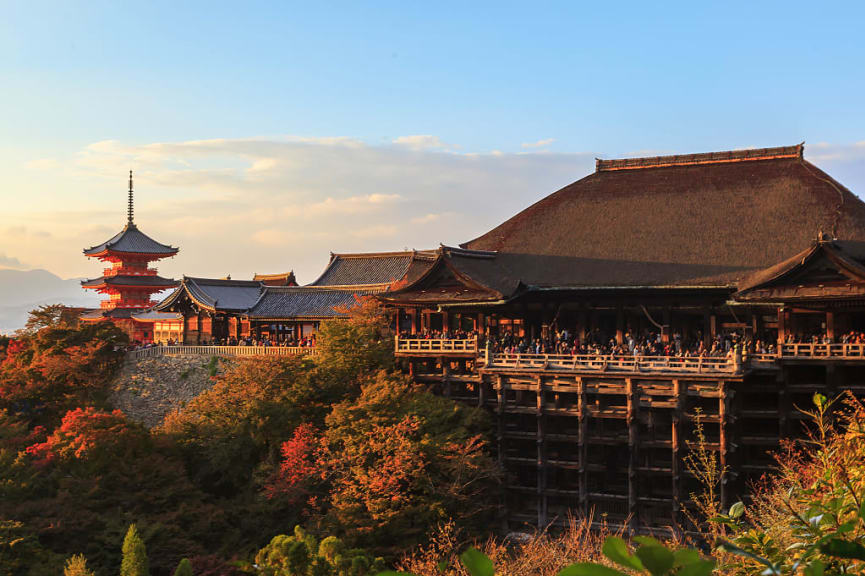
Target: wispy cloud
[(10, 262), (421, 142), (537, 144)]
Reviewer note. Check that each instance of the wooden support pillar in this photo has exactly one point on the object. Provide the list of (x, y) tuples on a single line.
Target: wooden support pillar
[(500, 418), (832, 378), (679, 395), (830, 325), (582, 326), (446, 376), (582, 432), (414, 321), (707, 329), (782, 326), (541, 455), (481, 325), (784, 402), (620, 324), (724, 445), (633, 447), (667, 322), (445, 322)]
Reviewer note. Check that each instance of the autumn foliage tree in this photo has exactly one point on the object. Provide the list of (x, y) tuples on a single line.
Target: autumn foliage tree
[(44, 374), (300, 469), (392, 463)]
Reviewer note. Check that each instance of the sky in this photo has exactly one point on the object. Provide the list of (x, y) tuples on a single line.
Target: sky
[(264, 135)]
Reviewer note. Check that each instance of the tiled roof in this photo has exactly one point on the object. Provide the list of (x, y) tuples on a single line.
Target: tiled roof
[(117, 313), (303, 302), (216, 294), (283, 279), (155, 316), (696, 220), (131, 240), (372, 269), (122, 280)]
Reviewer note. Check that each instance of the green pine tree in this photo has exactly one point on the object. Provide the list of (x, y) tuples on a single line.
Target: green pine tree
[(184, 568), (134, 555)]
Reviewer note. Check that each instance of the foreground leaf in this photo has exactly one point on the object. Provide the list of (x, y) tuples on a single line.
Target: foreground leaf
[(477, 563), (588, 569), (616, 550)]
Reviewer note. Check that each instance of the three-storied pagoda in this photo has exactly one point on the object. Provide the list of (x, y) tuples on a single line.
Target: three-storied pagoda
[(129, 281)]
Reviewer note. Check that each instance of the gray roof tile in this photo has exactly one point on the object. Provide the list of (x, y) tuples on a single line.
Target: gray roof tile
[(303, 302), (132, 240)]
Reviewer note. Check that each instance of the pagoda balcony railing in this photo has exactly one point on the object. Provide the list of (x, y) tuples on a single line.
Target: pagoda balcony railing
[(826, 351), (608, 363), (162, 351), (437, 346)]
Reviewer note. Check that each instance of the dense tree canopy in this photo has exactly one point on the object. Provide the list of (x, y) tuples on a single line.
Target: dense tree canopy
[(340, 442)]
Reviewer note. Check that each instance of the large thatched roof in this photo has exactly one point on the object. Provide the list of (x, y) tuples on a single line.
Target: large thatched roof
[(695, 220)]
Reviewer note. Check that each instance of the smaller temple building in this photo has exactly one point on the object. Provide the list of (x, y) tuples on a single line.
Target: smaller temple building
[(129, 281), (272, 308)]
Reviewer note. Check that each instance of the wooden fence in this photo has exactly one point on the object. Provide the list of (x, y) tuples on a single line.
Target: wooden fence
[(852, 351), (699, 365), (160, 351), (430, 346)]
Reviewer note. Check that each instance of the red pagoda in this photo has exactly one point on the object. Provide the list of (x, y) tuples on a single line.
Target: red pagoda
[(129, 281)]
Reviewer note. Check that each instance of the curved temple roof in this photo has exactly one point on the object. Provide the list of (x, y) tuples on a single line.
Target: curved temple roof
[(375, 269), (120, 280), (131, 240), (675, 221), (304, 303), (216, 294)]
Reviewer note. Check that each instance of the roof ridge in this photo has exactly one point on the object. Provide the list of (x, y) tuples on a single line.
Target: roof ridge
[(222, 281), (723, 157), (468, 252), (405, 253)]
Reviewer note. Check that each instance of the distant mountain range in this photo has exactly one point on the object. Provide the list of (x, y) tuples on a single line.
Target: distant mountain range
[(23, 290)]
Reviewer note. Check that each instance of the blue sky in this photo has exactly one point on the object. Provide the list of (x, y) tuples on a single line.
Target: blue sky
[(92, 89)]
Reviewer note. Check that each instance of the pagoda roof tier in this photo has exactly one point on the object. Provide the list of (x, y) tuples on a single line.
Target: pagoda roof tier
[(304, 303), (697, 220), (131, 240), (375, 269), (131, 281)]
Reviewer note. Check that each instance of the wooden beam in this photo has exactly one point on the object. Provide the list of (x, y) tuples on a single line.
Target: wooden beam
[(541, 454), (633, 447)]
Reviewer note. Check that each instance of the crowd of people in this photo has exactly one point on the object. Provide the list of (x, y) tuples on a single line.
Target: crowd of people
[(252, 340), (594, 343)]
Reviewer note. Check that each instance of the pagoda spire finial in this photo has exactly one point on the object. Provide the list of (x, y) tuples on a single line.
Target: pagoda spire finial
[(130, 198)]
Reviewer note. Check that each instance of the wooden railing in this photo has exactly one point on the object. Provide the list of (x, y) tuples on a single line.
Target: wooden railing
[(694, 364), (159, 351), (431, 346), (823, 351)]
